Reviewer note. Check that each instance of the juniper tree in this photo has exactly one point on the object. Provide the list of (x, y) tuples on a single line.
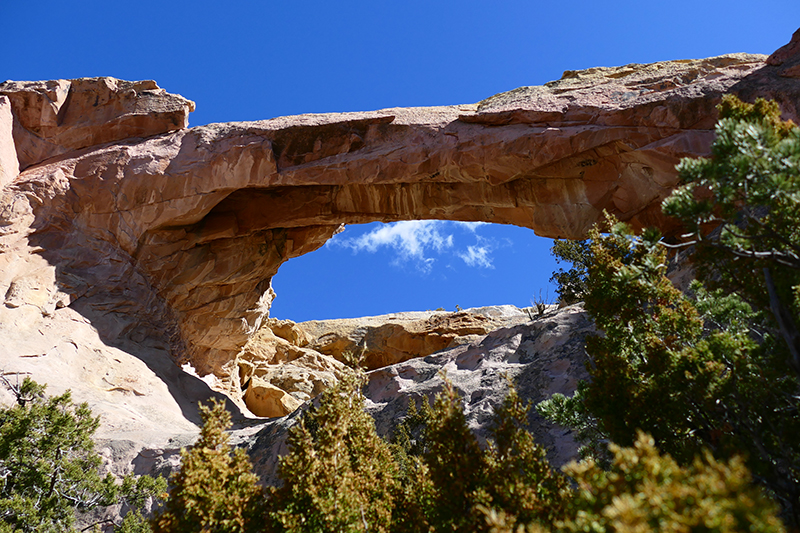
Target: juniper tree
[(458, 482), (571, 283), (718, 371), (49, 468), (645, 490), (339, 474)]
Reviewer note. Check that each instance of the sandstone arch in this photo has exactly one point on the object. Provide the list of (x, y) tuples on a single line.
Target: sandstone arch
[(167, 230)]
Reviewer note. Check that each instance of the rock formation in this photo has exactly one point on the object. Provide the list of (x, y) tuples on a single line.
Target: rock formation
[(541, 354), (285, 363), (144, 225), (130, 243)]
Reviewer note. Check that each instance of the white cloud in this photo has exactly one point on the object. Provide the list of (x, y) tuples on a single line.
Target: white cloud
[(411, 240), (477, 256), (415, 243), (471, 226)]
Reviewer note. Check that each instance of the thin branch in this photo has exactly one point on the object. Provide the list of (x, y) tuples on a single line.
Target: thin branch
[(785, 322)]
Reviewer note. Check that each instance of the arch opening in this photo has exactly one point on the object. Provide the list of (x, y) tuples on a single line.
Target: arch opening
[(382, 268)]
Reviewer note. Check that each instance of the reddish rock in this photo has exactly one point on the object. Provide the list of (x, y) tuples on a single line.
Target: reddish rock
[(790, 52), (55, 117)]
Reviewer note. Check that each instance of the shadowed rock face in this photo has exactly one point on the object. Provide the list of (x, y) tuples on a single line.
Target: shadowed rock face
[(177, 235)]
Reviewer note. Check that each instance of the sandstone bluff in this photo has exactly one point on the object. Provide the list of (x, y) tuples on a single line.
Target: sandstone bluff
[(130, 243)]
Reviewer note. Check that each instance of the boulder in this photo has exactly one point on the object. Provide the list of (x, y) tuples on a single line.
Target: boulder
[(264, 399)]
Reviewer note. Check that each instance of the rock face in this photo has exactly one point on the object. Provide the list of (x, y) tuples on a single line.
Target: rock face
[(389, 339), (129, 243), (178, 234), (542, 355), (9, 165), (287, 363), (60, 116)]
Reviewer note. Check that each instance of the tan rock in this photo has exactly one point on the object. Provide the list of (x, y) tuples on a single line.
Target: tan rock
[(58, 116), (296, 370), (288, 330), (390, 339), (9, 165), (264, 399)]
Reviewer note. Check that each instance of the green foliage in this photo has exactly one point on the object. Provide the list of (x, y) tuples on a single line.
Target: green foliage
[(572, 412), (521, 481), (750, 190), (719, 372), (657, 368), (340, 475), (49, 466), (457, 465), (639, 373), (456, 482), (416, 495), (215, 489), (644, 490), (571, 284), (134, 522)]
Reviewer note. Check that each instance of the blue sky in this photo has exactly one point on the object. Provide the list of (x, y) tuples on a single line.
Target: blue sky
[(254, 60)]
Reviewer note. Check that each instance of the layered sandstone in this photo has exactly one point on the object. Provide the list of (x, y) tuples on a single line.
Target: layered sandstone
[(151, 230), (60, 116), (129, 242)]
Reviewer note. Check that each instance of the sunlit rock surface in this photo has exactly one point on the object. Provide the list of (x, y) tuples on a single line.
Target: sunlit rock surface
[(541, 354)]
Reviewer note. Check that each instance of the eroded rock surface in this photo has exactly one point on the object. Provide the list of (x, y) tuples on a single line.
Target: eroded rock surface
[(541, 355), (284, 360), (59, 116)]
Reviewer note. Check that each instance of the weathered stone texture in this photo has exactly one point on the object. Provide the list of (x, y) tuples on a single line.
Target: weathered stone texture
[(9, 165), (541, 355), (129, 242), (59, 116)]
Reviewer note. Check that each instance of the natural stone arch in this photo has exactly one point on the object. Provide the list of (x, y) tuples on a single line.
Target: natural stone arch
[(184, 230)]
